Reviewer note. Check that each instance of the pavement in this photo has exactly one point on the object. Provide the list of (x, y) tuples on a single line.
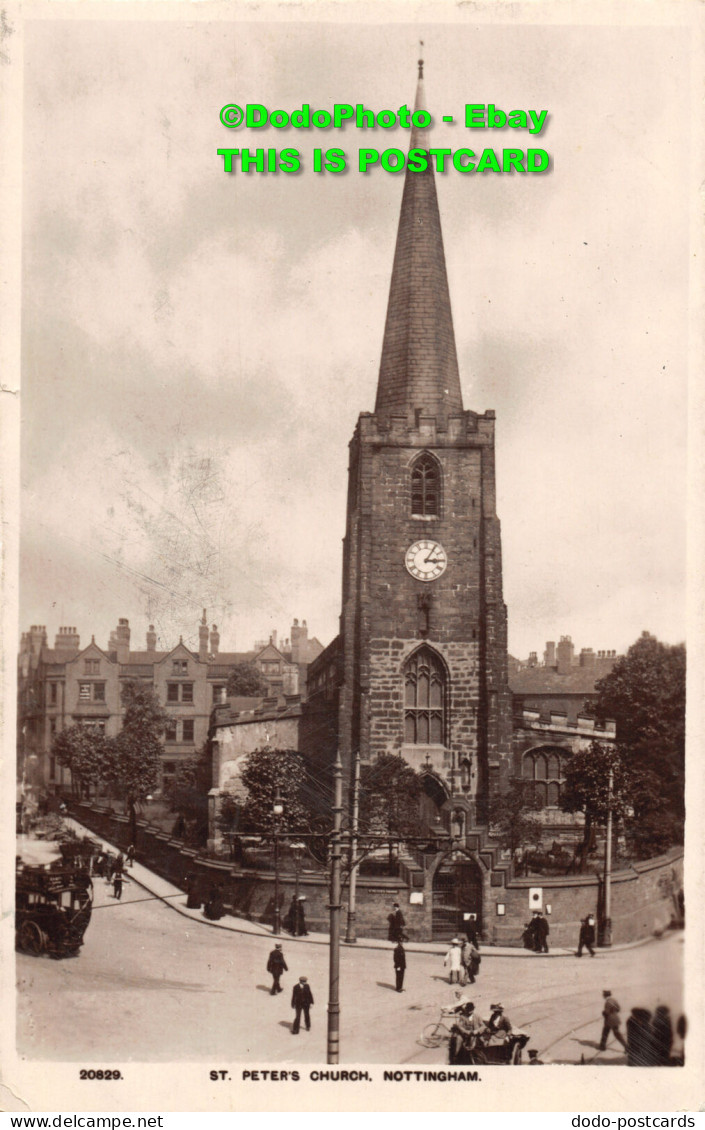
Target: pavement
[(175, 898)]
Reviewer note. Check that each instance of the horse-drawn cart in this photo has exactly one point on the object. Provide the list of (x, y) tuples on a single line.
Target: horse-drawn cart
[(52, 910)]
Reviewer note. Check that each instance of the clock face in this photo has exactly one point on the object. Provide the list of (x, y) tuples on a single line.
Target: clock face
[(426, 560)]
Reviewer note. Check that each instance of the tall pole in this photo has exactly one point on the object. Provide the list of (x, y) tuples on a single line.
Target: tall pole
[(607, 925), (334, 944), (350, 935), (277, 811)]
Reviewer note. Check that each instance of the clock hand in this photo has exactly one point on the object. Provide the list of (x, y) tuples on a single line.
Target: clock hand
[(434, 550)]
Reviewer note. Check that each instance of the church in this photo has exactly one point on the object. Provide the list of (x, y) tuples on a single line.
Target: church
[(420, 666)]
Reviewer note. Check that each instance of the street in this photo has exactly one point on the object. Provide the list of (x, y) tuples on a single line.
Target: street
[(150, 985)]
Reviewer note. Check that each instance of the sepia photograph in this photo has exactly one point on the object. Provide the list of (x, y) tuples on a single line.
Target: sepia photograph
[(352, 567)]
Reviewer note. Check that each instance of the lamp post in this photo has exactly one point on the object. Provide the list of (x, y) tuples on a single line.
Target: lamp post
[(607, 924), (297, 850), (277, 811), (334, 907), (350, 935)]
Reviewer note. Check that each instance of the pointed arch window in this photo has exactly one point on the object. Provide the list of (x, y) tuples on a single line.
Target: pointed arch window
[(425, 488), (424, 699)]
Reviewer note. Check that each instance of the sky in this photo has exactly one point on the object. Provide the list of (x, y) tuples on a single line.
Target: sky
[(197, 346)]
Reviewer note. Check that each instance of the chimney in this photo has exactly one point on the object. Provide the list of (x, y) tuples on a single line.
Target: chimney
[(587, 657), (151, 639), (37, 638), (67, 639), (122, 640), (203, 638), (533, 659), (215, 640), (549, 655), (299, 637), (565, 651)]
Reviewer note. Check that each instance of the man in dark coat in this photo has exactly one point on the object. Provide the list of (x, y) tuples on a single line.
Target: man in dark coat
[(276, 965), (471, 931), (541, 933), (587, 935), (610, 1017), (399, 959), (396, 924), (301, 1001)]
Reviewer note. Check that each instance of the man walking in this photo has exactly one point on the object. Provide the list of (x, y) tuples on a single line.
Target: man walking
[(399, 959), (542, 932), (610, 1016), (276, 965), (587, 935), (301, 1001)]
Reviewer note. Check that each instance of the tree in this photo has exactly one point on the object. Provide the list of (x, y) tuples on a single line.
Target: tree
[(645, 695), (246, 679), (133, 761), (513, 816), (390, 794), (265, 774), (83, 751), (188, 791), (587, 789)]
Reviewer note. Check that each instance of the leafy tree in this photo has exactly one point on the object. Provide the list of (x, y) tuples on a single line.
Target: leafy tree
[(133, 757), (645, 695), (390, 795), (513, 816), (83, 751), (587, 789), (246, 679), (188, 791), (266, 773)]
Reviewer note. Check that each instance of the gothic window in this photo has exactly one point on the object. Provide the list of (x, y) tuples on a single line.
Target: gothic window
[(546, 767), (424, 699), (425, 488)]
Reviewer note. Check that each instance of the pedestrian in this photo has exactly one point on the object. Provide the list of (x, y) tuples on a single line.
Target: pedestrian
[(193, 900), (301, 1001), (214, 908), (117, 885), (120, 863), (454, 959), (610, 1016), (662, 1036), (399, 960), (301, 930), (640, 1051), (276, 965), (587, 935), (534, 1060), (396, 924), (541, 933), (109, 866), (471, 961), (471, 930), (130, 855)]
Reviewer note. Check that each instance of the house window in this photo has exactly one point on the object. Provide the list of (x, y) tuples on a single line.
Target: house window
[(170, 734), (219, 692), (424, 699), (172, 692), (187, 730), (84, 692), (425, 488), (187, 692), (99, 692), (52, 727), (53, 693), (180, 667), (92, 666)]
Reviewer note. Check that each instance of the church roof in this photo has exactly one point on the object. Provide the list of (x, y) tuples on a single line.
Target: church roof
[(547, 681), (419, 366)]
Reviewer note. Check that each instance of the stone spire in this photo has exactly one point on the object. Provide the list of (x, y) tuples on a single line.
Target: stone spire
[(419, 366)]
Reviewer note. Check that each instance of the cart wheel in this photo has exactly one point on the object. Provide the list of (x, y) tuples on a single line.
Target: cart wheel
[(516, 1055), (433, 1035), (31, 939)]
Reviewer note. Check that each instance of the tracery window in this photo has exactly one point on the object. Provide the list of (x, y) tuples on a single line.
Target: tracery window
[(425, 488), (424, 699), (546, 767)]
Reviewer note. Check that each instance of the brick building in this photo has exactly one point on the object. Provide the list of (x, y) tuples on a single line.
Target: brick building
[(66, 685)]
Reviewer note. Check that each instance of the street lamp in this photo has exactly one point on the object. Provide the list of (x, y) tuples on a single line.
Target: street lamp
[(277, 812)]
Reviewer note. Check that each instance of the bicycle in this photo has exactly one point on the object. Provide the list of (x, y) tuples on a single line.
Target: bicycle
[(437, 1031)]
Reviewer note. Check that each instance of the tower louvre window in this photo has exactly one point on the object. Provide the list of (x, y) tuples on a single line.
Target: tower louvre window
[(424, 699), (425, 488)]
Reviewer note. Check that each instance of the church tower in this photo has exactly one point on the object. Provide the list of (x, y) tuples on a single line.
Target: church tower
[(423, 643)]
